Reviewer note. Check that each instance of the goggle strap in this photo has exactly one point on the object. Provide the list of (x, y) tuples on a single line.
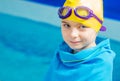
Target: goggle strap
[(103, 28), (97, 18)]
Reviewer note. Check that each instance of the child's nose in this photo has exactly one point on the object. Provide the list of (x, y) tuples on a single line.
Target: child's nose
[(74, 32)]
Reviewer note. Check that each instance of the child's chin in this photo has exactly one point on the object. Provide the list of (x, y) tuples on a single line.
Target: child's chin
[(76, 48)]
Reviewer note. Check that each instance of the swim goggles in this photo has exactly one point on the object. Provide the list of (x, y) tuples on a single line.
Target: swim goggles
[(81, 12)]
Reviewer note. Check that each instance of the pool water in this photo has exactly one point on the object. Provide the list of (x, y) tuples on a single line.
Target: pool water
[(27, 47)]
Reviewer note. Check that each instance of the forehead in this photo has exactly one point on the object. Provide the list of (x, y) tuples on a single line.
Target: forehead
[(70, 22)]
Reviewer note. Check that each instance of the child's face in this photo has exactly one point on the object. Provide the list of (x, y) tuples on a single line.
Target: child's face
[(78, 36)]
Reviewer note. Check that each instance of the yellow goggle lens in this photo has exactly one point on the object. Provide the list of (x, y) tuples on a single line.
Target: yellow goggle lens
[(82, 12), (64, 12)]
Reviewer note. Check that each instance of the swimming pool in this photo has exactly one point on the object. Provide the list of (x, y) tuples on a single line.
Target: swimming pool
[(27, 46)]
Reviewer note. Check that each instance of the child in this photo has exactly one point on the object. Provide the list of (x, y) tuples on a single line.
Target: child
[(82, 56)]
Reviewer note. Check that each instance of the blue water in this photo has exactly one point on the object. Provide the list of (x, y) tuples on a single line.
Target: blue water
[(26, 49)]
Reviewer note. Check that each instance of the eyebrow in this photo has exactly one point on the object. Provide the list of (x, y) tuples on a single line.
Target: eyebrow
[(64, 22), (67, 22)]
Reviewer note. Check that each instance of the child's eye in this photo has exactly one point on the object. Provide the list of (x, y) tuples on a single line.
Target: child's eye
[(83, 27), (66, 25)]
